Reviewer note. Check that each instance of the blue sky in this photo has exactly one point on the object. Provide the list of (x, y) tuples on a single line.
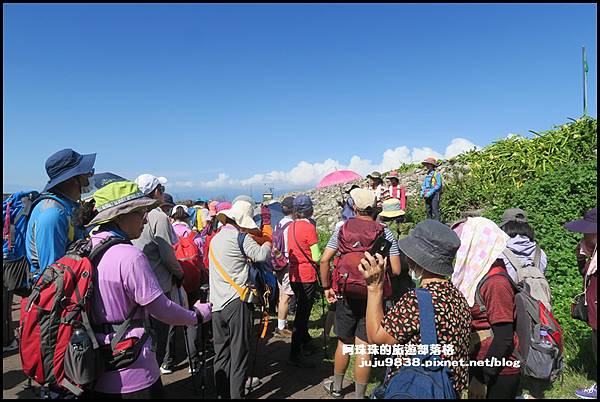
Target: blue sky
[(222, 97)]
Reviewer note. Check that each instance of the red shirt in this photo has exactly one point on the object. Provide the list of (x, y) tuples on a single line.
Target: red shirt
[(498, 296), (301, 269)]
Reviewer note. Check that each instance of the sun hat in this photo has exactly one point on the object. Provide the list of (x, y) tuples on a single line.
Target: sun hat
[(586, 225), (168, 200), (363, 198), (222, 206), (391, 208), (66, 163), (174, 210), (241, 213), (431, 161), (246, 198), (119, 198), (513, 215), (374, 175), (432, 245), (303, 203), (393, 175), (212, 208), (148, 183)]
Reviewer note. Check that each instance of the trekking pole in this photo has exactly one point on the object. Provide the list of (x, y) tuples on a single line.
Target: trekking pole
[(187, 345), (204, 298)]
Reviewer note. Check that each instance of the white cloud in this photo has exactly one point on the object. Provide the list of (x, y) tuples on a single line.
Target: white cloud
[(306, 174)]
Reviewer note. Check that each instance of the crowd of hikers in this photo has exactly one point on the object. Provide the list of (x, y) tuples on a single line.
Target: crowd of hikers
[(108, 282)]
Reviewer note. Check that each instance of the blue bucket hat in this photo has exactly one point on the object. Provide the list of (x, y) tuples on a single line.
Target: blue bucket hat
[(303, 203), (65, 164)]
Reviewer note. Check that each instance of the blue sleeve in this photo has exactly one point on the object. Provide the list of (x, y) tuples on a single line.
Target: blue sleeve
[(424, 186), (438, 184), (51, 235)]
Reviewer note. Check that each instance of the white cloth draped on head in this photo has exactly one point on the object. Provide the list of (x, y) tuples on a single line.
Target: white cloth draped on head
[(481, 243)]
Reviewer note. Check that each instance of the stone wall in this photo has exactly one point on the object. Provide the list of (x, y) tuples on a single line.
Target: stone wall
[(327, 212)]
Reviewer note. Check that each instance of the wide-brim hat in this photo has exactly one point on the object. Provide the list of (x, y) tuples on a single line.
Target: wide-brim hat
[(588, 224), (241, 212), (430, 161), (374, 175), (119, 198), (433, 246), (168, 200), (65, 164), (393, 175), (391, 208), (350, 188)]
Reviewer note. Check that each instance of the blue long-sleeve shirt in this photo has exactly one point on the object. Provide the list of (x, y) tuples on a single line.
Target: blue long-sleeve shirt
[(428, 189), (49, 231)]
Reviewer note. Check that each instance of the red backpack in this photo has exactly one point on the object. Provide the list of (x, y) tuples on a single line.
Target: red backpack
[(57, 313), (355, 237), (540, 336), (188, 255)]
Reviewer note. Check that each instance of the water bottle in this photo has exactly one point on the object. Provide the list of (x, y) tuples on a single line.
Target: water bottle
[(544, 338), (204, 293), (80, 339)]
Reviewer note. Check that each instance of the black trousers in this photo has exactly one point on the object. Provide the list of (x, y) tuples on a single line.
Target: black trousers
[(305, 298), (8, 333), (432, 205), (504, 387), (232, 328), (191, 332)]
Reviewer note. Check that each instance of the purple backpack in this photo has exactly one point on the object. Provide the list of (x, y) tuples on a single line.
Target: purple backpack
[(278, 258)]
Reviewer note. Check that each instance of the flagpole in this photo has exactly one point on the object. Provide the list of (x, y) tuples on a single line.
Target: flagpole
[(584, 83)]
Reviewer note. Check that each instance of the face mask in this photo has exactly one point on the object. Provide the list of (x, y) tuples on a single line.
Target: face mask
[(414, 277)]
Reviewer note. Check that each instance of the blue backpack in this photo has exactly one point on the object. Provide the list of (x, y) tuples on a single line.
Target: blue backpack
[(421, 382), (261, 277), (16, 211)]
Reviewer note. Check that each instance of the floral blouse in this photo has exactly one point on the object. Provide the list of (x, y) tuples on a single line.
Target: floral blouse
[(453, 325)]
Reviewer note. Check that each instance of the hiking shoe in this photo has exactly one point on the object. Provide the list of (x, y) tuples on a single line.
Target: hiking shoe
[(282, 333), (252, 382), (588, 393), (300, 361), (166, 369), (334, 393), (14, 345)]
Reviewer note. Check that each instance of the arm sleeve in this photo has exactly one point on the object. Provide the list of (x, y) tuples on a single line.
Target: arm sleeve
[(394, 250), (267, 235), (502, 346), (163, 237), (333, 240), (51, 235), (403, 198), (254, 251), (171, 313)]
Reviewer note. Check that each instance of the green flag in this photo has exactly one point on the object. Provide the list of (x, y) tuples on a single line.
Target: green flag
[(585, 66)]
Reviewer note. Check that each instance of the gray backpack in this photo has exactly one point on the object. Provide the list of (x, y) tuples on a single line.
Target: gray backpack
[(531, 275)]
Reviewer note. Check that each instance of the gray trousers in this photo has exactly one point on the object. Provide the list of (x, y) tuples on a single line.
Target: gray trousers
[(8, 334), (232, 328), (432, 205)]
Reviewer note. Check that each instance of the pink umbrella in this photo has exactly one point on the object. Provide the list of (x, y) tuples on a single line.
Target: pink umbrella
[(338, 177)]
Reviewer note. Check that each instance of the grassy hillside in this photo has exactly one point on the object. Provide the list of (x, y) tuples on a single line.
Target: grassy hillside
[(553, 177)]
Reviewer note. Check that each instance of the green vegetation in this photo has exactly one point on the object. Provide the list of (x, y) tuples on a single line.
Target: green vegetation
[(553, 177)]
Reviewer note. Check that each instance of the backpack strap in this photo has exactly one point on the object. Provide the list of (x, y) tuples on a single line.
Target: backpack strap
[(426, 317), (537, 256), (514, 260), (240, 239), (492, 272), (241, 291)]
